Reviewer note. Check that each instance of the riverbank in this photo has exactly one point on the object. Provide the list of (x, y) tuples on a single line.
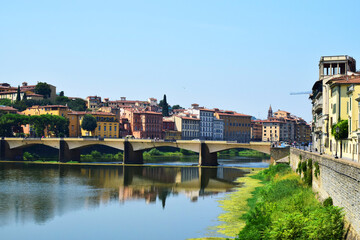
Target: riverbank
[(182, 155), (276, 204)]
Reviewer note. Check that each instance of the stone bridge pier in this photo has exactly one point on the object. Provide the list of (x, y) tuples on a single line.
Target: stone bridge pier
[(66, 154), (131, 156), (6, 153)]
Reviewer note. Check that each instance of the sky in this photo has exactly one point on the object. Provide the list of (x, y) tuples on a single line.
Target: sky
[(232, 55)]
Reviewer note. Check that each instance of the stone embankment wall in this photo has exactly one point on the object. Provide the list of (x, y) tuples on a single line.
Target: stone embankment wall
[(339, 179)]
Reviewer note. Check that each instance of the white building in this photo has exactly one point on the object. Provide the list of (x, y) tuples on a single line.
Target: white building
[(218, 132), (206, 117)]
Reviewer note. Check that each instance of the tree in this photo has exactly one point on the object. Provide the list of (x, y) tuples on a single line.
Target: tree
[(177, 107), (18, 97), (43, 88), (165, 107), (77, 105), (24, 97), (61, 94), (89, 123), (342, 133), (5, 102)]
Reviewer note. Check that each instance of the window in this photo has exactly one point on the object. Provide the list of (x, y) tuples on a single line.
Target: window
[(104, 128)]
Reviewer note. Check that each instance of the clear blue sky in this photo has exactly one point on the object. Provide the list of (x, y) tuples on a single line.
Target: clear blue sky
[(238, 55)]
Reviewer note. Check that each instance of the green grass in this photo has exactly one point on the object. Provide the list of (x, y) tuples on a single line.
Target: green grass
[(286, 208)]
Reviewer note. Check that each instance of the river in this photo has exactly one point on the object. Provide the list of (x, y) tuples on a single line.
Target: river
[(168, 200)]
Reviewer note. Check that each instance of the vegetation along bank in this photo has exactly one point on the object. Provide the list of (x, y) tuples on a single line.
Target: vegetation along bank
[(277, 204)]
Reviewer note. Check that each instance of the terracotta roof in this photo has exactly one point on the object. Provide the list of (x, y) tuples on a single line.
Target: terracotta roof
[(272, 121), (206, 109), (353, 79), (189, 118), (7, 108), (58, 106), (91, 113), (233, 114)]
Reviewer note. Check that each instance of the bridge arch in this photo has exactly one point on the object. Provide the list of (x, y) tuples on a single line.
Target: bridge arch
[(17, 143), (218, 147)]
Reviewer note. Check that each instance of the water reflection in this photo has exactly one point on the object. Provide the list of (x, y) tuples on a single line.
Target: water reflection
[(37, 193)]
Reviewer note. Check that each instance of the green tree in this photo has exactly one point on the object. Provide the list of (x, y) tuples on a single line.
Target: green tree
[(177, 107), (89, 123), (43, 88), (342, 133), (5, 102), (165, 107), (18, 97), (61, 94), (77, 105), (24, 97)]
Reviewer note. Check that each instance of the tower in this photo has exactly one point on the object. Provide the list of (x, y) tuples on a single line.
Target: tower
[(270, 113)]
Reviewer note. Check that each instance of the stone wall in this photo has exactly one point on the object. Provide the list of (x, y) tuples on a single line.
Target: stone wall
[(278, 153), (339, 179)]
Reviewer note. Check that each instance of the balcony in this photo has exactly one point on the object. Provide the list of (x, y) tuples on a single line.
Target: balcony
[(318, 126), (318, 105)]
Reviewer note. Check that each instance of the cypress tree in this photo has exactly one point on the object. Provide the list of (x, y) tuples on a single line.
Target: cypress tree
[(18, 98), (165, 107), (24, 97)]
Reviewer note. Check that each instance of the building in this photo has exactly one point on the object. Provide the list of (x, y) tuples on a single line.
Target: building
[(206, 117), (256, 130), (218, 130), (131, 103), (188, 126), (144, 124), (272, 131), (58, 110), (7, 109), (8, 92), (281, 126), (30, 91), (93, 102), (330, 67), (343, 92), (107, 125), (237, 127)]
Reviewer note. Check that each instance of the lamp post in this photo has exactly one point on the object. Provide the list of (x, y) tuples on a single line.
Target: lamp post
[(320, 135), (337, 132)]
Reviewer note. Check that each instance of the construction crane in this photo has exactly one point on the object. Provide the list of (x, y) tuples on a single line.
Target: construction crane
[(299, 93)]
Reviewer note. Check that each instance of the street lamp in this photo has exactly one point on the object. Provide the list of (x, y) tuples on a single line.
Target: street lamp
[(320, 134), (337, 132)]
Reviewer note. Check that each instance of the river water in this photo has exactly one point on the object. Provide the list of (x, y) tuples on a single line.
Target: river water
[(169, 201)]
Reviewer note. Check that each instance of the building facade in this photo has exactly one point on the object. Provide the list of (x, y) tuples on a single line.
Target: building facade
[(330, 67), (206, 117), (144, 124), (237, 127), (218, 131), (188, 126), (107, 125), (256, 130)]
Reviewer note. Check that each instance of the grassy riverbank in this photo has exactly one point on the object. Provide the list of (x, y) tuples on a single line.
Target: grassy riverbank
[(243, 153), (276, 204), (286, 208)]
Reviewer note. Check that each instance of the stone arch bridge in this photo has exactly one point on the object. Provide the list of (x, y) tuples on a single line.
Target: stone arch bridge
[(70, 148)]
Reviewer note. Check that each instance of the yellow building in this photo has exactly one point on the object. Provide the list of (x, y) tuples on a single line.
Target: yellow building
[(58, 110), (172, 135), (344, 100), (107, 125)]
